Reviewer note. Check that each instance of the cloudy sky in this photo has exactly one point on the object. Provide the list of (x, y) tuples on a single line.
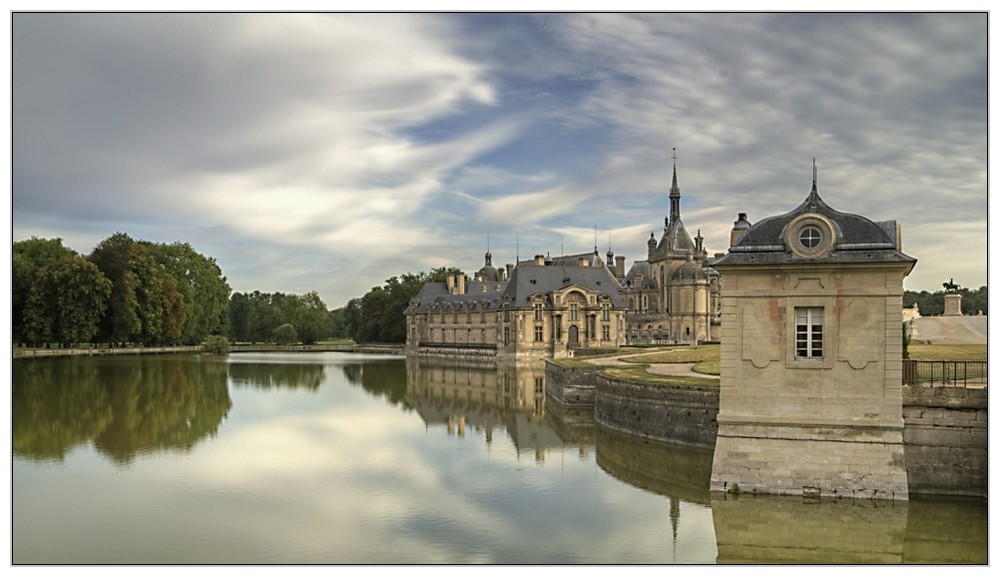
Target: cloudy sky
[(330, 152)]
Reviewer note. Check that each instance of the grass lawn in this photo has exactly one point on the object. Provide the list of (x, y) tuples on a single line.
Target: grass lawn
[(705, 358), (924, 352)]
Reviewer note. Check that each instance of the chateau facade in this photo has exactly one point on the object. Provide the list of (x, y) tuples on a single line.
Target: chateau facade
[(548, 307), (545, 308)]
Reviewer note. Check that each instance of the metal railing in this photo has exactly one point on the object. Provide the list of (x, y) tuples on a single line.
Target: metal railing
[(945, 373)]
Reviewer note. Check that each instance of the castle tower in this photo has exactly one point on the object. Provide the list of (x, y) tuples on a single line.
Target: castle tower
[(811, 363)]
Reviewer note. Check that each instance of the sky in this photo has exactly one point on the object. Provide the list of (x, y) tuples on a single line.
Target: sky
[(330, 152)]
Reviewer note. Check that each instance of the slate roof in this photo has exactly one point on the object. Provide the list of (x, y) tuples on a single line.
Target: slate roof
[(858, 239), (436, 294), (529, 278), (639, 267)]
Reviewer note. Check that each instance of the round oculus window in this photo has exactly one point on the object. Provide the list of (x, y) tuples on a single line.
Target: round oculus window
[(810, 237)]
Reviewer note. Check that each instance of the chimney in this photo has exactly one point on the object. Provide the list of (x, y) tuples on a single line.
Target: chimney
[(461, 283), (540, 259), (620, 267), (510, 269), (451, 284), (740, 228)]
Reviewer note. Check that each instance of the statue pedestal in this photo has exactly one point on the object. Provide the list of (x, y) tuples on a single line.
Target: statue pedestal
[(952, 305)]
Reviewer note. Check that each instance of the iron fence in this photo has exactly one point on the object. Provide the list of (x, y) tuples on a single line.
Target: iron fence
[(945, 373)]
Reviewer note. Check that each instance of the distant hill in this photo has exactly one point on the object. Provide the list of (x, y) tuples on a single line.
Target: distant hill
[(964, 330)]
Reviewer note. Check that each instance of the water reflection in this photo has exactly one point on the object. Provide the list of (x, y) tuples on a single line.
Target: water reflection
[(348, 459), (465, 395), (123, 406), (258, 375)]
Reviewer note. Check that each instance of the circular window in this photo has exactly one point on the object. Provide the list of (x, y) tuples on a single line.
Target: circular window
[(810, 237)]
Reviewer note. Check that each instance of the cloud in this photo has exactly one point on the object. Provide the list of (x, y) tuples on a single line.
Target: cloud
[(391, 143)]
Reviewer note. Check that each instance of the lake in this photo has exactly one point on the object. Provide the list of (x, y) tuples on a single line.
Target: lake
[(335, 458)]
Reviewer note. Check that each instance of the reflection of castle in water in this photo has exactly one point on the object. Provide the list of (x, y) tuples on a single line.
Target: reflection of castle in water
[(468, 396)]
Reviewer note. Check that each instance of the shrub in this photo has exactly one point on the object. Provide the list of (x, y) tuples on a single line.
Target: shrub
[(215, 345)]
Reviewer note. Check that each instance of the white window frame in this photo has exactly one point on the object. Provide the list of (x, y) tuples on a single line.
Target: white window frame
[(809, 333)]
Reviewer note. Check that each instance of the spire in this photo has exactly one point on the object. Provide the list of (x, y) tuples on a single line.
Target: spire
[(489, 255), (675, 194), (813, 194)]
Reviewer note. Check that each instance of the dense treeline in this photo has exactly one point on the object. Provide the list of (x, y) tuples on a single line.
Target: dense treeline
[(133, 291), (378, 315), (931, 304), (278, 318), (125, 291)]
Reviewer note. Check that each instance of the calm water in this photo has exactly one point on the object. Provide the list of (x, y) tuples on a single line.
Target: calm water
[(335, 458)]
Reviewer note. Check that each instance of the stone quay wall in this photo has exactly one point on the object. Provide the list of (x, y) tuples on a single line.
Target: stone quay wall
[(676, 413), (570, 386), (944, 435)]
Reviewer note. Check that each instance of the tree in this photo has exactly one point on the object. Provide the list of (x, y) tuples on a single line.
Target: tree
[(202, 284), (310, 316), (112, 256), (58, 296)]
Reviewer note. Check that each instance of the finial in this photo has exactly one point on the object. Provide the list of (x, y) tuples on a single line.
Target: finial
[(814, 173), (675, 156)]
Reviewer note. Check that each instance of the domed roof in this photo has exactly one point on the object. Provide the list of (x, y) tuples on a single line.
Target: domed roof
[(852, 238), (691, 270), (488, 273)]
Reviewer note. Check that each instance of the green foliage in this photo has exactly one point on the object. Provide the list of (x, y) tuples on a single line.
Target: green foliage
[(202, 284), (906, 340), (216, 345), (378, 316), (254, 317), (121, 321), (58, 296), (286, 334)]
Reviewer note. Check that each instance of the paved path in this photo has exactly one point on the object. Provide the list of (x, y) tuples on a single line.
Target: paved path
[(674, 369)]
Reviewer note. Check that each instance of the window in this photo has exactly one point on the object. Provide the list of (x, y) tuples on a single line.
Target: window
[(605, 333), (574, 310), (538, 333), (538, 311), (605, 312), (808, 332), (810, 237)]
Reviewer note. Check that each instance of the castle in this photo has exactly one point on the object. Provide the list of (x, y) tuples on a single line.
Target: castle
[(549, 307)]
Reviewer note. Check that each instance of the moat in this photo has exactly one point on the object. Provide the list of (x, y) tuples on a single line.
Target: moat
[(302, 458)]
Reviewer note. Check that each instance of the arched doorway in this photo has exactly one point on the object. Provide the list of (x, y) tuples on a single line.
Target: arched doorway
[(574, 336)]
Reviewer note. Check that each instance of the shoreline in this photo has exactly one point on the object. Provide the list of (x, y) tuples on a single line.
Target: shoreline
[(30, 353)]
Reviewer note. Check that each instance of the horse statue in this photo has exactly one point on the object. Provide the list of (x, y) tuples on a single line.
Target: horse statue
[(950, 286)]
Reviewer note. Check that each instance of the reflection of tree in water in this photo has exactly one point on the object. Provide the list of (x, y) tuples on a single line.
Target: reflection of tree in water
[(125, 405), (383, 378), (277, 375), (57, 404)]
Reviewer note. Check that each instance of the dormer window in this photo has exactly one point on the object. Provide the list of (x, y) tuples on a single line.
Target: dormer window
[(810, 237)]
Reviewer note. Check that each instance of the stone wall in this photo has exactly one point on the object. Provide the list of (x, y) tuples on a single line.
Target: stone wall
[(944, 435), (674, 413), (946, 438), (570, 386)]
